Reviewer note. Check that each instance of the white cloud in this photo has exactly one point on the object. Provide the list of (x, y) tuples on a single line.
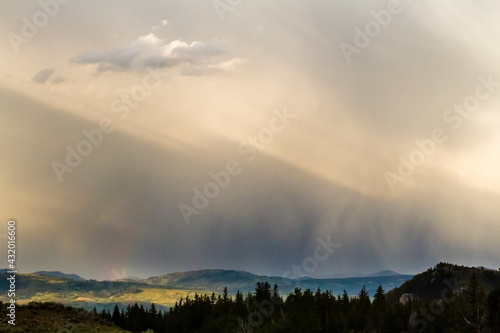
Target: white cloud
[(163, 23), (232, 65), (151, 51)]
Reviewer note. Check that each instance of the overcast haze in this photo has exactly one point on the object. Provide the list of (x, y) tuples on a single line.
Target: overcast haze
[(205, 80)]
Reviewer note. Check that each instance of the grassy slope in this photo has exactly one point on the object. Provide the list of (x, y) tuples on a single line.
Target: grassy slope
[(50, 317)]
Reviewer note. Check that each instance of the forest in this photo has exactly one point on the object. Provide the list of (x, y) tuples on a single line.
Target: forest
[(469, 310)]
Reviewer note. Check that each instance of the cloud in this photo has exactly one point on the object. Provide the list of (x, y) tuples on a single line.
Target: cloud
[(57, 80), (324, 175), (151, 51), (47, 76), (233, 65), (42, 76), (163, 23), (124, 210)]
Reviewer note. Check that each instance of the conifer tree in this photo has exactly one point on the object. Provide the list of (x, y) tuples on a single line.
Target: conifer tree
[(116, 315), (475, 311), (378, 310)]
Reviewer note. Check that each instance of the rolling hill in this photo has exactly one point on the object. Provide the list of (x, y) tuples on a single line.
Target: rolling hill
[(444, 275), (60, 275), (89, 293), (245, 282), (167, 289)]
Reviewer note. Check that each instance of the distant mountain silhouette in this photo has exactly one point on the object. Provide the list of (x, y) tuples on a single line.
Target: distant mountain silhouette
[(385, 273), (129, 278), (357, 274), (217, 279), (60, 275)]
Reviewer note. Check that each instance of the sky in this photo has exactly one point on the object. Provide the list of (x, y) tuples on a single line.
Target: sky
[(145, 138)]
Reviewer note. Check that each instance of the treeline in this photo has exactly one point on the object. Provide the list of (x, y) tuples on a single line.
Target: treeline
[(306, 311)]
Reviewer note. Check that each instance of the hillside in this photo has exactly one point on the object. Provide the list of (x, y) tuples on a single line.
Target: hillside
[(60, 275), (167, 289), (90, 293), (52, 317), (432, 282), (245, 282)]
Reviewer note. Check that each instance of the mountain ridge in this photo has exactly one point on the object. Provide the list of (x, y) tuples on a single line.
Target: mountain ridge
[(442, 276), (166, 289), (233, 280), (60, 274)]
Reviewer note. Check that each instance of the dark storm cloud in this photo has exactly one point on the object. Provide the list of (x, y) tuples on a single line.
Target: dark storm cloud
[(118, 210), (120, 207)]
